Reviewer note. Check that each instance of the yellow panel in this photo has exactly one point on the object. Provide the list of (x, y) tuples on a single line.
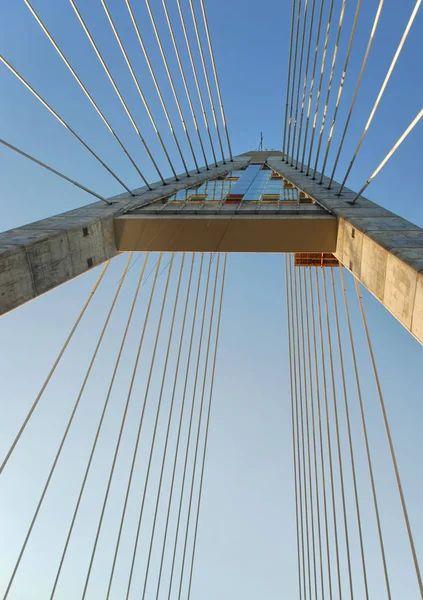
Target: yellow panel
[(289, 233)]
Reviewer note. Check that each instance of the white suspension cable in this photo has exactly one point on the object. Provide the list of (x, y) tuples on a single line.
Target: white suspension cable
[(153, 442), (188, 364), (115, 87), (175, 461), (319, 89), (99, 427), (313, 77), (172, 85), (366, 437), (307, 391), (306, 515), (52, 370), (68, 426), (310, 36), (390, 442), (216, 345), (288, 284), (320, 431), (123, 421), (338, 440), (390, 153), (329, 443), (84, 89), (357, 87), (197, 83), (143, 98), (45, 166), (331, 75), (216, 78), (299, 80), (200, 341), (350, 442), (144, 404), (297, 390), (197, 444), (206, 76), (63, 122), (187, 92), (314, 449), (382, 89), (288, 83), (297, 31), (341, 87)]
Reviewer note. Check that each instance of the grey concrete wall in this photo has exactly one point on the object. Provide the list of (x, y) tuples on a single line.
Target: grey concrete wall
[(38, 257), (382, 250)]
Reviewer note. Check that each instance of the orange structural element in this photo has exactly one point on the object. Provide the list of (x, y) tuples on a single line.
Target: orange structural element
[(315, 259), (234, 198)]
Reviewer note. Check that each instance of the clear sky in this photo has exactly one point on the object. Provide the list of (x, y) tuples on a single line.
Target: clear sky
[(246, 544)]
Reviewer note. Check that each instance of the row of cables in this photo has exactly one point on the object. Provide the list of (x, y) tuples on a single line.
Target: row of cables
[(308, 103), (212, 139)]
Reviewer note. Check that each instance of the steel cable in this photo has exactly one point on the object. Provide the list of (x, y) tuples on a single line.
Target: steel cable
[(366, 438), (52, 370), (303, 437), (100, 425), (350, 442), (313, 420), (143, 98), (123, 421), (190, 426), (84, 89), (63, 122), (341, 88), (288, 81), (288, 284), (200, 419), (382, 89), (357, 87), (168, 428), (45, 166), (319, 88), (68, 426), (147, 389), (172, 85), (299, 80), (329, 86), (115, 87), (391, 445), (310, 35), (390, 153), (208, 418), (294, 76), (338, 440), (186, 88), (197, 83), (216, 78), (206, 77), (319, 422), (297, 421), (325, 394), (182, 408), (313, 76), (153, 441), (307, 391)]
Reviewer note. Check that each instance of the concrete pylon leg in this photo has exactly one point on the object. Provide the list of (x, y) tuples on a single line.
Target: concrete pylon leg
[(38, 257), (382, 250)]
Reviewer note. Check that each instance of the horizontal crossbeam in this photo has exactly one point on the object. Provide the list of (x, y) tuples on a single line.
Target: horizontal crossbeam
[(382, 250)]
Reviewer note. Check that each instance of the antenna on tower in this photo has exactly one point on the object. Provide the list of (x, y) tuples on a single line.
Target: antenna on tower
[(260, 148)]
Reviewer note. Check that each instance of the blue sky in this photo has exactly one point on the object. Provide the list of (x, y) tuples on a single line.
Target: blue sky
[(246, 544)]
